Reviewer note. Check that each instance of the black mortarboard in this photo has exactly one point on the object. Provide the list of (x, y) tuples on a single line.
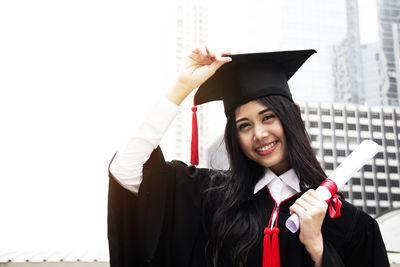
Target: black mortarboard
[(245, 78), (250, 76)]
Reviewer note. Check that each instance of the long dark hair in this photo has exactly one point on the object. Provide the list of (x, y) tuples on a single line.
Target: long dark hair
[(233, 225)]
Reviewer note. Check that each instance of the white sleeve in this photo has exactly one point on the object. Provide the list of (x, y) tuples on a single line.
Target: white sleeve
[(128, 163)]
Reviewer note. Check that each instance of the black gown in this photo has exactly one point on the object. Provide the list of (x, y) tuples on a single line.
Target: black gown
[(162, 226)]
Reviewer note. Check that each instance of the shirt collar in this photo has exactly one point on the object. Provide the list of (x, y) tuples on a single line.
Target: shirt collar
[(289, 178)]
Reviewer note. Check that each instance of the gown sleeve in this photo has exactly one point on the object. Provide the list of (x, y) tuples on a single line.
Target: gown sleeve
[(366, 245), (159, 226), (354, 239)]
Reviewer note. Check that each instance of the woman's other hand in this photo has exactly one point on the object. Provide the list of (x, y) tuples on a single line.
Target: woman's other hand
[(311, 209), (199, 65)]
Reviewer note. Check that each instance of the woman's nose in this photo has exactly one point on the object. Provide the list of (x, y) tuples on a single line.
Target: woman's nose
[(260, 132)]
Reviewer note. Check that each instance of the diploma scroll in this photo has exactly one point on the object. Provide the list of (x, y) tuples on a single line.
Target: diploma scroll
[(351, 164)]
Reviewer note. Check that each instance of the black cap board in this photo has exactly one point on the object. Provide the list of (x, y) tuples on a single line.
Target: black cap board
[(250, 76)]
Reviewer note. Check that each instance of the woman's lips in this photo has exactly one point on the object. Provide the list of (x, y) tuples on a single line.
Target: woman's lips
[(267, 149)]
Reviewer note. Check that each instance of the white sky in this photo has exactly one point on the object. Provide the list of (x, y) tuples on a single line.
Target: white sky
[(71, 74)]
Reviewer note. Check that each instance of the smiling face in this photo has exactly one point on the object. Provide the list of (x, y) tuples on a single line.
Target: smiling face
[(261, 136)]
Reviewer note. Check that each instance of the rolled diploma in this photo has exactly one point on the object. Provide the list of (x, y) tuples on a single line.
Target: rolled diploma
[(350, 165)]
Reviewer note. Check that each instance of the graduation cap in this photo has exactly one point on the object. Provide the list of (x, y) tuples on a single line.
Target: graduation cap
[(245, 78)]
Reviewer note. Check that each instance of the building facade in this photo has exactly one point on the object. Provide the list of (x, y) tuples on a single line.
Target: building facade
[(372, 82), (389, 20), (347, 63)]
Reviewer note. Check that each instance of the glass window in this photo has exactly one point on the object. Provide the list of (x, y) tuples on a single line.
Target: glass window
[(388, 129), (363, 114), (338, 112), (313, 111), (376, 128), (390, 142), (339, 126), (326, 125), (368, 168), (326, 111), (328, 152), (351, 126), (375, 115), (341, 153)]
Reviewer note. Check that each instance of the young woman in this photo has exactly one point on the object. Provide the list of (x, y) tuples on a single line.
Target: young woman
[(170, 214)]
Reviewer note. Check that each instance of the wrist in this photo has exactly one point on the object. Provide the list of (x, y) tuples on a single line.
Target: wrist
[(177, 92), (316, 250)]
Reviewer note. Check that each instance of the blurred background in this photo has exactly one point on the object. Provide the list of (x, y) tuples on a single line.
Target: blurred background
[(76, 77)]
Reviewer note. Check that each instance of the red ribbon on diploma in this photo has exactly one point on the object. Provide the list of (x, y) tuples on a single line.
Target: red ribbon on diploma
[(334, 202)]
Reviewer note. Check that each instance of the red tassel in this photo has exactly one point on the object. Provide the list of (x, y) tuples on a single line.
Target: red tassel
[(194, 155), (276, 259), (267, 248)]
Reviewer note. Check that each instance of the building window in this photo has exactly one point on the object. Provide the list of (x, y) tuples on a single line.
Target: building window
[(328, 152), (350, 113), (326, 112), (338, 113), (379, 141), (381, 182), (363, 114), (313, 124), (328, 166), (375, 115), (312, 111), (340, 153), (379, 155), (376, 128), (391, 155), (369, 182), (326, 125), (314, 137), (390, 142), (368, 168), (339, 126), (388, 129), (380, 168), (364, 127), (392, 169), (351, 127)]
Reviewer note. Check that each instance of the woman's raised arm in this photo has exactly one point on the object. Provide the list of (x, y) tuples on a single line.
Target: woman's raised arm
[(196, 68)]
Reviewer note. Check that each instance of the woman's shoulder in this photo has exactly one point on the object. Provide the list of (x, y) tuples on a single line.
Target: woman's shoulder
[(184, 171)]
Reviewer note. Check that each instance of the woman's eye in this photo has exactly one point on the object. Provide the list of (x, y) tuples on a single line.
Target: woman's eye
[(242, 126), (267, 117)]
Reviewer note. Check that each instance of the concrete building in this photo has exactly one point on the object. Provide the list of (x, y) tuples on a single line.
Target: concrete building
[(347, 64), (318, 25), (389, 19), (372, 82)]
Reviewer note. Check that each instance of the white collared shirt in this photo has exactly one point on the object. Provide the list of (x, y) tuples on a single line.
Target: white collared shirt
[(280, 187)]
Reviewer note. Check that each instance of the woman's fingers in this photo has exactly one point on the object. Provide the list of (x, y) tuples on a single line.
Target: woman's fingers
[(310, 204)]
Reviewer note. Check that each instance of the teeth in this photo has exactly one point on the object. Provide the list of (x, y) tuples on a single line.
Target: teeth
[(265, 148)]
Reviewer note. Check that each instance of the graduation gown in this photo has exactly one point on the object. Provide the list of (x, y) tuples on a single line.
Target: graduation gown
[(162, 225)]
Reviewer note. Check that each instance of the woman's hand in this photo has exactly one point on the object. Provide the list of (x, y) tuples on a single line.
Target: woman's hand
[(196, 68), (311, 210)]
